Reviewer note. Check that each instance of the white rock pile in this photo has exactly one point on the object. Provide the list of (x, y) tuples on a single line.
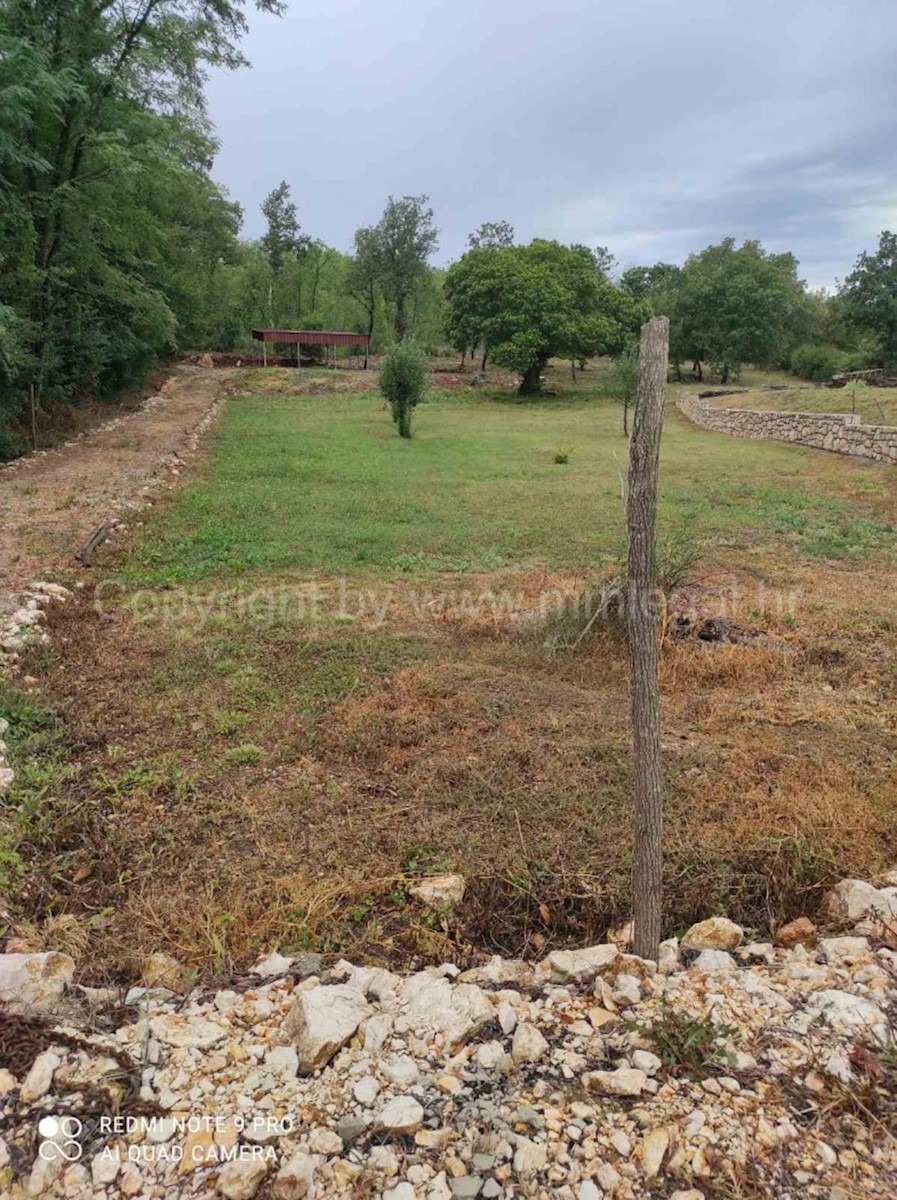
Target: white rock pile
[(21, 617), (508, 1080)]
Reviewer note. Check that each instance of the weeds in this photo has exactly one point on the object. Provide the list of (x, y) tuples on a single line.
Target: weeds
[(693, 1046)]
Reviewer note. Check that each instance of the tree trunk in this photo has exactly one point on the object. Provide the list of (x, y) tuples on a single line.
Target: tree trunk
[(573, 369), (485, 358), (371, 314), (724, 377), (531, 383), (405, 420), (641, 622), (401, 327)]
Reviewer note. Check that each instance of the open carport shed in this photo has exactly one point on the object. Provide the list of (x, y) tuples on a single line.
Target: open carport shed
[(310, 337)]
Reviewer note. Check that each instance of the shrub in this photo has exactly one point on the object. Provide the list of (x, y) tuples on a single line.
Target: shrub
[(402, 380), (817, 362)]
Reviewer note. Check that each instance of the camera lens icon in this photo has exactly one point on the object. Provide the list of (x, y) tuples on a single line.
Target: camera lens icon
[(60, 1138)]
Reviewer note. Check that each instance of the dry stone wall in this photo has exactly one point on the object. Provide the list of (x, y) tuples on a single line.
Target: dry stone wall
[(842, 433)]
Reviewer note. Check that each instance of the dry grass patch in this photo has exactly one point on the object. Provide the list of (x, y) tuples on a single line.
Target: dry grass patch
[(383, 755)]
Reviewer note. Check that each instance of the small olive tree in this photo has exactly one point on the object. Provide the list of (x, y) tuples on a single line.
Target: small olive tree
[(403, 377)]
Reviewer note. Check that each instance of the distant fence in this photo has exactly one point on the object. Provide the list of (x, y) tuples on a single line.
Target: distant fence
[(842, 433)]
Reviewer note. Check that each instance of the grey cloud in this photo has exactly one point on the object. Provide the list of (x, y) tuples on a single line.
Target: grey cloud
[(653, 127)]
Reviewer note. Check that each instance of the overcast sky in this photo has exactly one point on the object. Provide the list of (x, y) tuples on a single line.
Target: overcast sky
[(650, 126)]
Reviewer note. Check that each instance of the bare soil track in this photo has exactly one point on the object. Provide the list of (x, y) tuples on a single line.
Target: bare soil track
[(51, 501)]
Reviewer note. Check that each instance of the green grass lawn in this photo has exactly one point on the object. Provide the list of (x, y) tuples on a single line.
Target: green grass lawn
[(322, 484)]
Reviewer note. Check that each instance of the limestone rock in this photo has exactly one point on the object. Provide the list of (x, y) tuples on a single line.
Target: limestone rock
[(272, 966), (624, 1081), (186, 1032), (714, 960), (432, 1004), (242, 1178), (578, 966), (500, 971), (717, 933), (402, 1115), (295, 1177), (366, 1090), (34, 981), (529, 1157), (668, 960), (161, 970), (439, 891), (841, 949), (801, 932), (645, 1061), (400, 1069), (528, 1045), (322, 1020), (654, 1147), (845, 1012), (852, 899), (39, 1079)]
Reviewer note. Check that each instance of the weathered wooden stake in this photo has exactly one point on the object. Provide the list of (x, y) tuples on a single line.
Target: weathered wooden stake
[(641, 623)]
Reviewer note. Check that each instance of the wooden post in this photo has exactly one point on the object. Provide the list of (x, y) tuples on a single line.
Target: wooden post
[(265, 351), (641, 623)]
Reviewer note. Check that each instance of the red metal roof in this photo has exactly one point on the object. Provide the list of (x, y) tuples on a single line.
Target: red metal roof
[(310, 337)]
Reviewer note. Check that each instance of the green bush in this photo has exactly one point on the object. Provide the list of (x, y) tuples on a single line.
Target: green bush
[(817, 362), (403, 377)]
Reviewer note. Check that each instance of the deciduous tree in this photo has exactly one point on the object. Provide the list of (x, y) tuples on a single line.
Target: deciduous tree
[(531, 303), (734, 304), (403, 239), (492, 235), (868, 297)]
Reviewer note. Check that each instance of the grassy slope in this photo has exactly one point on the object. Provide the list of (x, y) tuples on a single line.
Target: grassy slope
[(241, 783), (875, 406)]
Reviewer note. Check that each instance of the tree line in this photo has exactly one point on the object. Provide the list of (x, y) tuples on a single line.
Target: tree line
[(117, 248)]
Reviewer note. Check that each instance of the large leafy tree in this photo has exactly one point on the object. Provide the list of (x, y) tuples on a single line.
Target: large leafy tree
[(531, 303), (868, 297), (492, 235), (402, 242), (109, 223), (734, 305), (282, 237), (362, 276)]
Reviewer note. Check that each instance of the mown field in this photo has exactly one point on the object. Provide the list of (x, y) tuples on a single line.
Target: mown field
[(331, 665)]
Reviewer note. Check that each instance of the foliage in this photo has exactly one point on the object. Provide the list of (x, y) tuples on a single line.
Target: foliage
[(688, 1045), (868, 298), (733, 306), (402, 380), (624, 379), (817, 363), (110, 226), (402, 242), (282, 236), (527, 304), (492, 235)]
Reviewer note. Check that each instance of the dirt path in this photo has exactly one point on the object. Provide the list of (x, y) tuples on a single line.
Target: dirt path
[(50, 501)]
